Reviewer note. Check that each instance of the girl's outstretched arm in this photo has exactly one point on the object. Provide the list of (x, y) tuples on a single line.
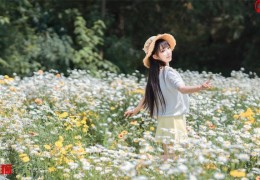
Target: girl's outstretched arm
[(134, 111), (192, 89)]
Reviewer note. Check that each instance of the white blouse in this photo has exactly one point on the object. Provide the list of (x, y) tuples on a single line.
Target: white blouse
[(176, 102)]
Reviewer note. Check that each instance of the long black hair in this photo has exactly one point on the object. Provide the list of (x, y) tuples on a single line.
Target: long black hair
[(153, 92)]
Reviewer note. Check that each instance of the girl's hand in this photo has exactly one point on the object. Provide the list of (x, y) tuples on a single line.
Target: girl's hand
[(130, 113), (206, 85)]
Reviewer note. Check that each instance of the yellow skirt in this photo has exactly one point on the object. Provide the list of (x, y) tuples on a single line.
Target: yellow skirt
[(171, 128)]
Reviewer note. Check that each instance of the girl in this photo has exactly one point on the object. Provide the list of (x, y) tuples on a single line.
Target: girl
[(165, 96)]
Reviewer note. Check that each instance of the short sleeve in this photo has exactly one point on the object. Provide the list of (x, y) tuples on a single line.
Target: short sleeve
[(174, 79)]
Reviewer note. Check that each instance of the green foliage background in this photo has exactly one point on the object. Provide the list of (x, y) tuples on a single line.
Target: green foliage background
[(217, 36)]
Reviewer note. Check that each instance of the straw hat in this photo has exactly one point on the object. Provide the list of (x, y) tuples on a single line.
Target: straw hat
[(149, 46)]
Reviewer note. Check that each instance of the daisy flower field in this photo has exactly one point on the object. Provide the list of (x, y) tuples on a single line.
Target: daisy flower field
[(73, 127)]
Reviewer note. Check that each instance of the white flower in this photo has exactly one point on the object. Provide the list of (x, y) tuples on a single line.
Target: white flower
[(2, 160), (106, 171), (165, 167), (66, 170), (183, 168), (222, 159), (79, 175), (73, 165), (85, 164), (140, 178), (26, 178), (226, 144), (98, 168), (218, 175), (201, 159), (243, 157), (256, 170), (128, 168), (220, 139)]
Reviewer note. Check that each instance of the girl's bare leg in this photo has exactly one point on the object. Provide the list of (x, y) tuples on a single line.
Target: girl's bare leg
[(167, 153), (165, 149)]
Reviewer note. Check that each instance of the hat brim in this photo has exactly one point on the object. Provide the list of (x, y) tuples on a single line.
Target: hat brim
[(167, 37)]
